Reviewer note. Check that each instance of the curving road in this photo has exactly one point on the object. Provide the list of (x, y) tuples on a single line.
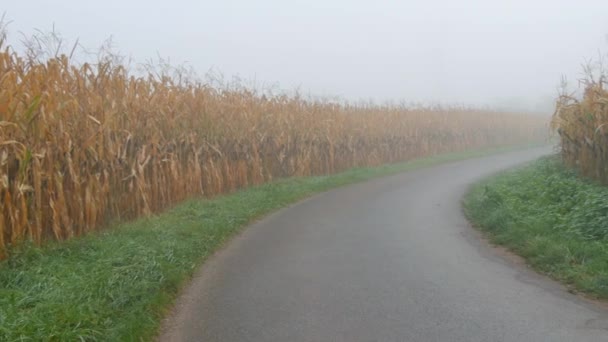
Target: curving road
[(392, 259)]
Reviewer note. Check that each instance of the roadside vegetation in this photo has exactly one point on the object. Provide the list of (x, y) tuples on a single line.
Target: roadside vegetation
[(554, 212), (552, 217), (83, 144), (117, 284), (582, 124)]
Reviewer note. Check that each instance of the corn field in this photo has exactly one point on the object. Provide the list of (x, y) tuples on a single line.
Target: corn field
[(83, 144), (582, 125)]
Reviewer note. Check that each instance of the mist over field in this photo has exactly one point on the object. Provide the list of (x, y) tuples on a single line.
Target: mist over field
[(503, 54), (137, 140)]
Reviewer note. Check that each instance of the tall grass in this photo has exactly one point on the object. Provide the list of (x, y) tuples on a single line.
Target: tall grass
[(81, 144), (582, 124)]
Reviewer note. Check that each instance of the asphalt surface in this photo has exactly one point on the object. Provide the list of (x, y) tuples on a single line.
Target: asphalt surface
[(392, 259)]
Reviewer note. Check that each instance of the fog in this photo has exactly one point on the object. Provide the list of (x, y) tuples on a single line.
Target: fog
[(499, 53)]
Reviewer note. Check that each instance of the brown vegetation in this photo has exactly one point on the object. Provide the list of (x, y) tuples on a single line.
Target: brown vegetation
[(81, 144), (583, 128)]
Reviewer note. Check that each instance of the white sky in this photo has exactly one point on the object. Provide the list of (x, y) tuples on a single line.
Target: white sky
[(466, 51)]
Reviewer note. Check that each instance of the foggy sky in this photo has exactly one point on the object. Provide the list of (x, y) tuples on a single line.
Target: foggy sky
[(474, 52)]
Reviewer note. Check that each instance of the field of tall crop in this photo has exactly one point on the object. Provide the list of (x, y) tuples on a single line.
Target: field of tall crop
[(83, 144), (582, 124)]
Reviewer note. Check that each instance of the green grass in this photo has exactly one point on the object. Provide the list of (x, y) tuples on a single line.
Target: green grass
[(116, 285), (557, 221)]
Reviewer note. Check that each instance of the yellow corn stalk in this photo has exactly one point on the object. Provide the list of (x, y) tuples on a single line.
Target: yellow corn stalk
[(80, 144)]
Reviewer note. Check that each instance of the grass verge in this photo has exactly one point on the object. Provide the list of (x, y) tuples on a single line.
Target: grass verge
[(116, 285), (557, 221)]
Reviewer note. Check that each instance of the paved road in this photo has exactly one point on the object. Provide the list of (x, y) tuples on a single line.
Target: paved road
[(392, 259)]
